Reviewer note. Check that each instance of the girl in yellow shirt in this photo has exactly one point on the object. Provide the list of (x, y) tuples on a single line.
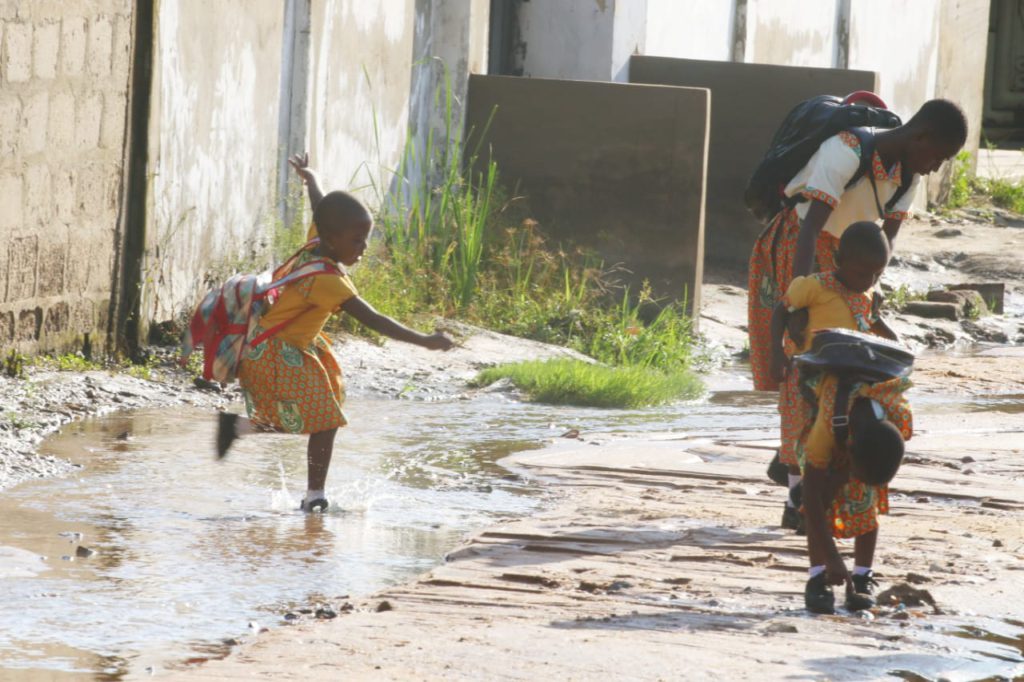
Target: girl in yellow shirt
[(290, 379), (839, 298)]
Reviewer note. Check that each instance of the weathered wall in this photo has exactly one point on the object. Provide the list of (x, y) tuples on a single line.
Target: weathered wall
[(359, 82), (791, 32), (963, 33), (450, 43), (690, 29), (578, 39), (903, 48), (213, 143), (64, 71), (749, 102), (603, 165)]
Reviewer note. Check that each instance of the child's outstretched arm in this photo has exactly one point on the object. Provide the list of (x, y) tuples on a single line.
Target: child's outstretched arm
[(382, 324), (819, 487), (891, 227), (300, 162), (818, 214)]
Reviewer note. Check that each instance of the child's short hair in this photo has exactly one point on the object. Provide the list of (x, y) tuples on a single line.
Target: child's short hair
[(864, 240), (337, 210), (944, 120), (876, 446)]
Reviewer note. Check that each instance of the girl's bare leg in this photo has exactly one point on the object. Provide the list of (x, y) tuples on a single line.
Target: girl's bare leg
[(318, 458), (864, 548)]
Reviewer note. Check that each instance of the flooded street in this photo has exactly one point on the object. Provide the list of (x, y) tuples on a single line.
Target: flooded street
[(189, 551), (153, 554)]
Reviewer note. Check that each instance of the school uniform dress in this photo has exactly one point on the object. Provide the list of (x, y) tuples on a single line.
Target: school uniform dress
[(824, 178), (830, 305), (857, 505), (291, 381)]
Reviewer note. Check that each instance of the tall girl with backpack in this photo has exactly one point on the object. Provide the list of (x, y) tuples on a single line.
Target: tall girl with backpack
[(290, 378), (827, 170)]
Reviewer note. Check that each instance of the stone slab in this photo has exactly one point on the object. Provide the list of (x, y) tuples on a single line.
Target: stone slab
[(614, 167), (749, 103)]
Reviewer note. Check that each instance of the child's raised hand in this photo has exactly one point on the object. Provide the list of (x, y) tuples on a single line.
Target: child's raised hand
[(300, 162), (438, 341)]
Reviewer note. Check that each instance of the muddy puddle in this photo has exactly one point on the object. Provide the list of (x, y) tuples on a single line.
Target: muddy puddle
[(153, 553)]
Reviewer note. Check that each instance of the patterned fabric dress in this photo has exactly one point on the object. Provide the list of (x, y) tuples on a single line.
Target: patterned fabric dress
[(857, 506), (298, 388), (769, 276), (795, 412)]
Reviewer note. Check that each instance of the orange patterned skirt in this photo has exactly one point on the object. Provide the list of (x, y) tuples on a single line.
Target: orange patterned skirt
[(771, 271), (293, 390)]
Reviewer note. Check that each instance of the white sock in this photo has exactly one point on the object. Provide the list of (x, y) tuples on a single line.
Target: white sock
[(314, 495), (861, 570), (815, 571), (793, 480)]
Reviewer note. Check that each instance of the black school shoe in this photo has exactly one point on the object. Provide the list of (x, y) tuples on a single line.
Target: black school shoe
[(818, 596), (863, 595), (777, 471), (227, 432), (793, 520)]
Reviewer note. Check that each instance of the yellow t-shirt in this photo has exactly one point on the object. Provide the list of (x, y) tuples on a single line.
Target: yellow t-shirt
[(826, 309), (312, 234), (310, 302)]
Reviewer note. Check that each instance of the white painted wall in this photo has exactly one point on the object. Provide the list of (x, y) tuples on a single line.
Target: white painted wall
[(690, 29), (213, 143), (628, 36), (899, 40), (359, 90), (791, 32), (570, 39)]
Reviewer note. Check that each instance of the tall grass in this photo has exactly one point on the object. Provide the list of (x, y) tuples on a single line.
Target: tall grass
[(453, 242)]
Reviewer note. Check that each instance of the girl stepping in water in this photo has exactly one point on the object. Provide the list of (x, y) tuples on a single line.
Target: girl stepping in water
[(291, 380)]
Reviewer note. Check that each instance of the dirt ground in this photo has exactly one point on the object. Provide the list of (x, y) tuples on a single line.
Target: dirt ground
[(661, 558)]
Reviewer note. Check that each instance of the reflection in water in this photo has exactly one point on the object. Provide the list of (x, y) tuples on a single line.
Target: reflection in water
[(189, 550)]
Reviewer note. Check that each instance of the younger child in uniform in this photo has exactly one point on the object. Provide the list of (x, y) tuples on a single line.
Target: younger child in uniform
[(839, 298), (291, 381), (843, 489), (845, 485)]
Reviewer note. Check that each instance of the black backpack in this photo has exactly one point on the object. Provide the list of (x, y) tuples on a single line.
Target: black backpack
[(802, 131), (854, 357)]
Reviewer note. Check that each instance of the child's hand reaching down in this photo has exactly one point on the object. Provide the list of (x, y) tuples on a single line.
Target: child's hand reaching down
[(438, 341)]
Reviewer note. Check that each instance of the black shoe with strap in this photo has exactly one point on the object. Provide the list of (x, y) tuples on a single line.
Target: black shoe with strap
[(792, 519), (818, 595), (862, 597)]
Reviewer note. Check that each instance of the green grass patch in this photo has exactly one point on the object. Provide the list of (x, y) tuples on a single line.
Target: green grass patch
[(968, 189), (574, 382)]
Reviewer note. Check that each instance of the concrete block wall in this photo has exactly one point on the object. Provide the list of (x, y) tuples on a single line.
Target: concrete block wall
[(64, 76), (602, 165), (748, 101)]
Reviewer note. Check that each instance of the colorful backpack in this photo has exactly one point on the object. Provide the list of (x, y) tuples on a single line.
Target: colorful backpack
[(224, 320)]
